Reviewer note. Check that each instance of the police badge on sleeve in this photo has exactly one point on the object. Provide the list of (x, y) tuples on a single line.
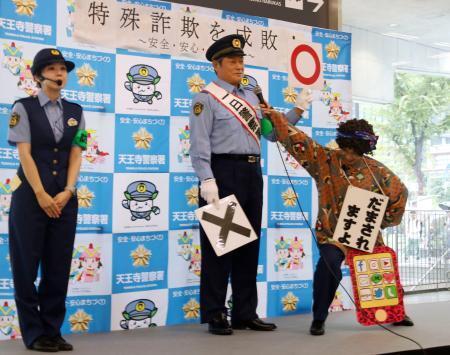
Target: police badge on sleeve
[(198, 108), (14, 119)]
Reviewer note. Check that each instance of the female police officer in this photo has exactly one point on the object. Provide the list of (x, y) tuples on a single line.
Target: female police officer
[(49, 134)]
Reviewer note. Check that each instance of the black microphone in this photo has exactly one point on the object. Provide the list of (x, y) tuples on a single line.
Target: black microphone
[(266, 123), (57, 82), (258, 92)]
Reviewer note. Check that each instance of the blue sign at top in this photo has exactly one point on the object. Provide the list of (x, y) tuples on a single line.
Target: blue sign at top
[(33, 21)]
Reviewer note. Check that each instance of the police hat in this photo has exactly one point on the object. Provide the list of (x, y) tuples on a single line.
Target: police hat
[(140, 309), (49, 56), (226, 46), (141, 191), (143, 74)]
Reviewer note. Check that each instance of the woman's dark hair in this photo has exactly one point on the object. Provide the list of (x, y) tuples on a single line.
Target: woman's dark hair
[(38, 75), (346, 137)]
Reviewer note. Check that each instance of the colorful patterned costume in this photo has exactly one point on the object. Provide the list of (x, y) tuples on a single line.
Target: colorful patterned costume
[(325, 167)]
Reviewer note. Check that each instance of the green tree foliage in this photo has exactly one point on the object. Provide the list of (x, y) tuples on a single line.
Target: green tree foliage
[(420, 110)]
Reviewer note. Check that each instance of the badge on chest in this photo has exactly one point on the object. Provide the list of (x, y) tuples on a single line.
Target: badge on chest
[(72, 122)]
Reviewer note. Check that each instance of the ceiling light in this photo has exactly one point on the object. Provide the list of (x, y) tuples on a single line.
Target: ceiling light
[(400, 62), (442, 44), (440, 55), (400, 35), (393, 25)]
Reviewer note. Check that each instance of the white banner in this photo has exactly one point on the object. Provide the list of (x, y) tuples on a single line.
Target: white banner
[(187, 33), (97, 24)]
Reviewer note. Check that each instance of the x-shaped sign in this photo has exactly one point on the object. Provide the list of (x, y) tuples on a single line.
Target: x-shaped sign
[(226, 224)]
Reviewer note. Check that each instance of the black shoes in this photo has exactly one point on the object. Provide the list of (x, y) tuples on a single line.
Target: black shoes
[(44, 344), (50, 345), (62, 344), (254, 324), (220, 325), (317, 327), (407, 322)]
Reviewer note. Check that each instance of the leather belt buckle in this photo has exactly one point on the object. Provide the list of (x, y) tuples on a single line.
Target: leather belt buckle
[(252, 159)]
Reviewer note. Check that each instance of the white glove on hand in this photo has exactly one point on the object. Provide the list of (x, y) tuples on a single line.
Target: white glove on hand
[(210, 192), (304, 99)]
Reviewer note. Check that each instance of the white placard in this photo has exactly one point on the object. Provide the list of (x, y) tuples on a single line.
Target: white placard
[(360, 219), (227, 227), (305, 64)]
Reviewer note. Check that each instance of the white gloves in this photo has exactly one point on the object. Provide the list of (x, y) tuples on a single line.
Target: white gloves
[(304, 99), (210, 192)]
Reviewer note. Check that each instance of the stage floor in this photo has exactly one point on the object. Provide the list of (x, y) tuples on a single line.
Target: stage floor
[(343, 336)]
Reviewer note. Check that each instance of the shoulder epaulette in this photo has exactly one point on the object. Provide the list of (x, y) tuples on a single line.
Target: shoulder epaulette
[(28, 98)]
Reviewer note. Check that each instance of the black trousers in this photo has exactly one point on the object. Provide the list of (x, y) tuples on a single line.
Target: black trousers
[(36, 240), (325, 284), (244, 180)]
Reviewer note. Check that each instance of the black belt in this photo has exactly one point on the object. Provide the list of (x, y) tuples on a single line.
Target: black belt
[(249, 158)]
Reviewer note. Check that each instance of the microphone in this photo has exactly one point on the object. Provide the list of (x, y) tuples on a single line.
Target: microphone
[(258, 92), (57, 82), (266, 124)]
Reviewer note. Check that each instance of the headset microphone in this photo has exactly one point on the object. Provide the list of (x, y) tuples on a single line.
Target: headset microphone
[(57, 82)]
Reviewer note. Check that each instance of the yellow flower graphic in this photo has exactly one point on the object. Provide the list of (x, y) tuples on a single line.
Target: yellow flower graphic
[(332, 145), (290, 95), (289, 197), (85, 197), (191, 309), (141, 256), (142, 139), (86, 75), (289, 302), (79, 321), (25, 7), (332, 50), (195, 83), (192, 195)]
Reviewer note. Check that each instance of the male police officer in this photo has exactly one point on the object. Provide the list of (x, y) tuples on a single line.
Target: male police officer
[(49, 134), (225, 153)]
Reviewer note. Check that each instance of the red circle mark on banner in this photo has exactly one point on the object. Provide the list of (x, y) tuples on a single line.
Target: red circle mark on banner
[(304, 80)]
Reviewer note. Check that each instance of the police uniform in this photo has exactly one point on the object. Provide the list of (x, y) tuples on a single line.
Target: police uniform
[(223, 149), (36, 240)]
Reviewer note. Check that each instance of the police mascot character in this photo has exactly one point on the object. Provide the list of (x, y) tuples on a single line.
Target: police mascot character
[(49, 134), (138, 314)]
